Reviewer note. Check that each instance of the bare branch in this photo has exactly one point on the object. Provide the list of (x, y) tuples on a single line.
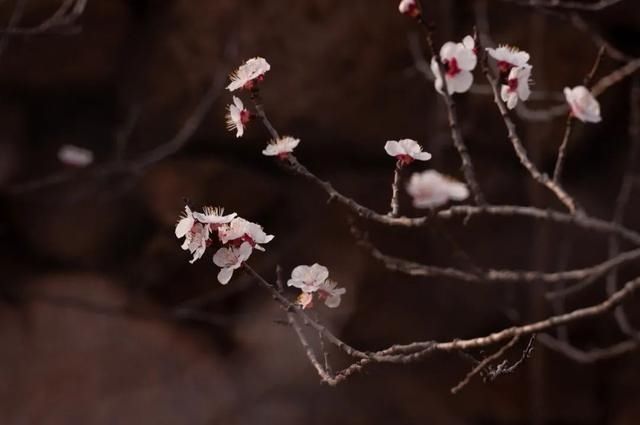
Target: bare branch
[(557, 172), (568, 5), (456, 134), (521, 152), (591, 356), (623, 199), (483, 364), (395, 187)]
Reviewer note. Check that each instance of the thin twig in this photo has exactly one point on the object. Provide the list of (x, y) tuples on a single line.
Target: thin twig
[(521, 152), (568, 5), (622, 201), (496, 275), (557, 172), (456, 134), (483, 364), (395, 205), (591, 356)]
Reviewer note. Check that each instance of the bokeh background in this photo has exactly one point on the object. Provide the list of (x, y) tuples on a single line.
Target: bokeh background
[(104, 321)]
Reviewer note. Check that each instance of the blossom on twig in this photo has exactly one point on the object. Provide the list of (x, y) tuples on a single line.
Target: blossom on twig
[(237, 117), (230, 259), (508, 57), (517, 87), (195, 234), (196, 241), (458, 60), (249, 74), (583, 105), (430, 189), (314, 281), (240, 230), (409, 8), (308, 278), (281, 147), (330, 293), (406, 151), (196, 229)]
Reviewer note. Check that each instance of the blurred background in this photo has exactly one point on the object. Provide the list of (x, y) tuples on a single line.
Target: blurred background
[(104, 321)]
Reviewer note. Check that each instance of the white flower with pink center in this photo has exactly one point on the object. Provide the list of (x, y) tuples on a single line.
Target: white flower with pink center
[(230, 259), (406, 151), (508, 57), (281, 147), (458, 60), (308, 278), (517, 87), (330, 293), (583, 105), (237, 117), (240, 230), (409, 8), (249, 74), (430, 189), (196, 235)]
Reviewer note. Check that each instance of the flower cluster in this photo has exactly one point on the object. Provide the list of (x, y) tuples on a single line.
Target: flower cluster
[(239, 237), (583, 105), (515, 72), (247, 77), (314, 281)]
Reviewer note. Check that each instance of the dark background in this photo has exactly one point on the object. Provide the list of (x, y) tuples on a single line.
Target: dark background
[(104, 321)]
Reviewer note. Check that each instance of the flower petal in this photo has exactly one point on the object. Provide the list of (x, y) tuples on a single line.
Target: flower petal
[(461, 82), (393, 148), (224, 276)]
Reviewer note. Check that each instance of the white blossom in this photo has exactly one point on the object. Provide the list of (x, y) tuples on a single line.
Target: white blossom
[(230, 259), (196, 241), (431, 189), (241, 230), (583, 105), (185, 223), (458, 60), (237, 117), (196, 235), (308, 278), (409, 8), (406, 150), (281, 147), (508, 57), (517, 87), (331, 294), (248, 73), (213, 216), (75, 156)]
